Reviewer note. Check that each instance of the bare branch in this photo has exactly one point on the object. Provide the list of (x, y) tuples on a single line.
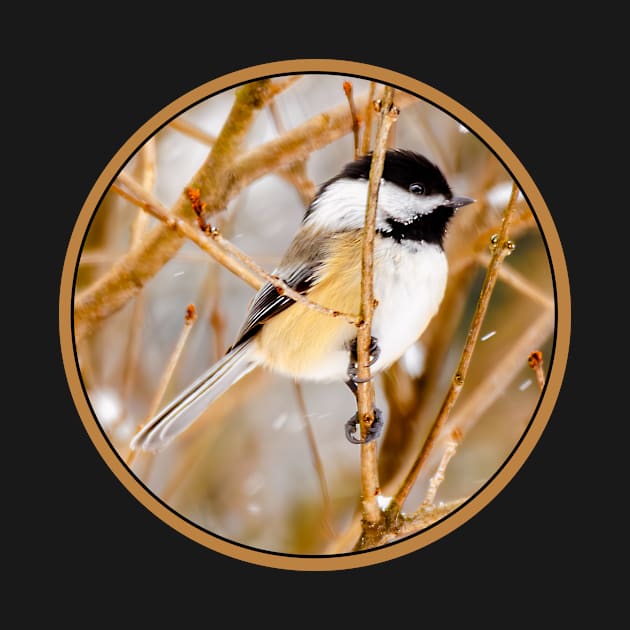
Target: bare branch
[(502, 248), (189, 319), (519, 282), (366, 140), (146, 201), (451, 448), (282, 84), (347, 88), (503, 372), (192, 131), (146, 166), (317, 461), (295, 173), (217, 320), (421, 519), (372, 514), (406, 526)]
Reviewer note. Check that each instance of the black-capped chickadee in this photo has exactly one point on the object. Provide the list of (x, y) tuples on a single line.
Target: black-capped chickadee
[(415, 204)]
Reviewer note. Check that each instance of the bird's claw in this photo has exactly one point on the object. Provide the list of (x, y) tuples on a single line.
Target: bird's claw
[(353, 366), (373, 431)]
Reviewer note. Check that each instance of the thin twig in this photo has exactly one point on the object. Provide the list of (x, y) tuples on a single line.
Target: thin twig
[(502, 248), (146, 166), (295, 173), (406, 526), (519, 282), (347, 88), (421, 519), (451, 448), (192, 131), (391, 136), (99, 257), (499, 377), (189, 320), (535, 361), (370, 488), (145, 201), (147, 162), (432, 144), (217, 319), (281, 85), (366, 140), (195, 442), (317, 461), (224, 252)]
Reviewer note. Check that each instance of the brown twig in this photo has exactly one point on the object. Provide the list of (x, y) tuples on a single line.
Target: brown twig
[(431, 142), (104, 258), (218, 324), (145, 201), (281, 85), (210, 240), (347, 88), (295, 173), (189, 320), (502, 247), (366, 139), (192, 131), (146, 166), (519, 282), (317, 461), (147, 163), (421, 519), (498, 378), (372, 514), (195, 441), (391, 136), (406, 526), (436, 480), (535, 361)]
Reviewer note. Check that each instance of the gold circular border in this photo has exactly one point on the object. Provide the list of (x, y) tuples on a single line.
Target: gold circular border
[(479, 500)]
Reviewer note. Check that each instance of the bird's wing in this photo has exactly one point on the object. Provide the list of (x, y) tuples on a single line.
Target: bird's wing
[(300, 274), (269, 302)]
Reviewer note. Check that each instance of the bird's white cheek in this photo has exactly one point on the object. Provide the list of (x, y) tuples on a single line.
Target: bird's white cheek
[(399, 204)]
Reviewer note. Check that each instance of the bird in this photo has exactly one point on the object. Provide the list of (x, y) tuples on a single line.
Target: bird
[(323, 262)]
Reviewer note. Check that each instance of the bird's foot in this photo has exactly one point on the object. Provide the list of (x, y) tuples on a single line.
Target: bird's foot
[(373, 431), (353, 366)]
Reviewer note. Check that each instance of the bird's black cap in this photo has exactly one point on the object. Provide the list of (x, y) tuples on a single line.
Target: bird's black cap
[(403, 168)]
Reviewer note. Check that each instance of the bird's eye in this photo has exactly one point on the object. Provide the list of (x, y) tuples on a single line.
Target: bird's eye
[(416, 189)]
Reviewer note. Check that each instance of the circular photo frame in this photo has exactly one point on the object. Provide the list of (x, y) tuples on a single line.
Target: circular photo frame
[(161, 333)]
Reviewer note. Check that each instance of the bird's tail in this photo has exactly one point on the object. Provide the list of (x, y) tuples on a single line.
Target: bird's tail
[(186, 408)]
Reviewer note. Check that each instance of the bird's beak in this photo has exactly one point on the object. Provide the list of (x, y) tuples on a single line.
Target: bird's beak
[(458, 202)]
